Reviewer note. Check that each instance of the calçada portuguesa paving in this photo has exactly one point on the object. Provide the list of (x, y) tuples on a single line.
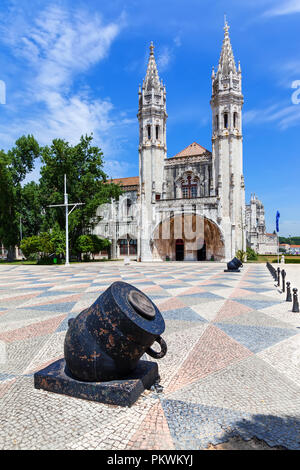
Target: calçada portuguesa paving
[(232, 367)]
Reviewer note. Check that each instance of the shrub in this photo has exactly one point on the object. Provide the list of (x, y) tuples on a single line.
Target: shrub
[(251, 254), (91, 244), (30, 245), (241, 255)]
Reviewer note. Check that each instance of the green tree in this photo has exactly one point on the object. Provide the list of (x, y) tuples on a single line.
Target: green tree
[(31, 210), (30, 246), (84, 244), (58, 240), (14, 166), (86, 183), (99, 244)]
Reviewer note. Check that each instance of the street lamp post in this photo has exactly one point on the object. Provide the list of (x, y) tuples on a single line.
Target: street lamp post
[(67, 205)]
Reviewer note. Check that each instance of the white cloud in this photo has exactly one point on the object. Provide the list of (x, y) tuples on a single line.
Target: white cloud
[(118, 169), (283, 115), (55, 48), (286, 7), (164, 58)]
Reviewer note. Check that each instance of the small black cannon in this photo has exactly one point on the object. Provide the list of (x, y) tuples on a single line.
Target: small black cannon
[(233, 266), (103, 347), (106, 341)]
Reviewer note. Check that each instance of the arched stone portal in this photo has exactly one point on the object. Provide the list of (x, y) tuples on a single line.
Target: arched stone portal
[(198, 237)]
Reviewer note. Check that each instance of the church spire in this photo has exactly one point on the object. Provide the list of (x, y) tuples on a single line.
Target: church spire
[(152, 78), (226, 62)]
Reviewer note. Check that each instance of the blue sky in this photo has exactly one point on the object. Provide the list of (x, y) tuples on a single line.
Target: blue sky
[(72, 68)]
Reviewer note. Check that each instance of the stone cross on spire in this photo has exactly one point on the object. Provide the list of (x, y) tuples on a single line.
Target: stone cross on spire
[(226, 62), (152, 78)]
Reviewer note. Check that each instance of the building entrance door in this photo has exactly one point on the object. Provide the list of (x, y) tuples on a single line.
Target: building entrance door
[(179, 250), (201, 254)]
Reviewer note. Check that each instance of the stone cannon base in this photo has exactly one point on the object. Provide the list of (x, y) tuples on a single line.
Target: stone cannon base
[(232, 270), (125, 392)]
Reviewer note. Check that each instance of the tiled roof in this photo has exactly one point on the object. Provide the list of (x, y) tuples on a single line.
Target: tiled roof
[(295, 246), (192, 150), (129, 181)]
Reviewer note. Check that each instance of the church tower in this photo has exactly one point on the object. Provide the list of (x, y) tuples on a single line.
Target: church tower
[(152, 118), (227, 148)]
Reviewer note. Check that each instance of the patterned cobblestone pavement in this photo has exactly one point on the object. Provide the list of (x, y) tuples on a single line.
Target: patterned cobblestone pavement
[(232, 367)]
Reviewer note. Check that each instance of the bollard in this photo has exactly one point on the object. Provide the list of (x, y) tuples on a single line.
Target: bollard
[(295, 301), (283, 274), (278, 277), (288, 292)]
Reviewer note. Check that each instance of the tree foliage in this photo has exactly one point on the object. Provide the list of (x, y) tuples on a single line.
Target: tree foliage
[(295, 240), (251, 254), (14, 165), (91, 244), (86, 183), (44, 244)]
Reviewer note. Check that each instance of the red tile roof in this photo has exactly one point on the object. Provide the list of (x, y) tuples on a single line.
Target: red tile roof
[(192, 150), (129, 181)]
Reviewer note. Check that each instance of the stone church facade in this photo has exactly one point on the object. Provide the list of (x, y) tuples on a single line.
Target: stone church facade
[(257, 238), (190, 206)]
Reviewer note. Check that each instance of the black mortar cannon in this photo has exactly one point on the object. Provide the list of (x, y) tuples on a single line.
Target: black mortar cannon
[(103, 349), (107, 340), (234, 265)]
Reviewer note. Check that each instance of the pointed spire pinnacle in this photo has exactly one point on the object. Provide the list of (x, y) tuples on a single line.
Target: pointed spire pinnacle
[(152, 78), (226, 62)]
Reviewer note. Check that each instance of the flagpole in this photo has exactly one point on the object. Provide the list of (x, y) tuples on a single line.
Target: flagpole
[(277, 230)]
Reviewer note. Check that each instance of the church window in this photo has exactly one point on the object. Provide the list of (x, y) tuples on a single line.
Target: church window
[(189, 188), (132, 247), (194, 191), (157, 132), (123, 247), (185, 192), (225, 120), (217, 122), (128, 206), (157, 197), (149, 131), (235, 120)]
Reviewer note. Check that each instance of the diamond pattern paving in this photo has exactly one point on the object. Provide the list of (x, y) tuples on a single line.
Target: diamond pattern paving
[(232, 367)]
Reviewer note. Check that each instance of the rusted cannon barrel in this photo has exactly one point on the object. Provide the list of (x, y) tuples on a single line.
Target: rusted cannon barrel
[(106, 341)]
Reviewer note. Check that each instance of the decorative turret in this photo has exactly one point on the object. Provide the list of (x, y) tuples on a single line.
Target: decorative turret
[(152, 116), (152, 79), (226, 62), (152, 113), (226, 103)]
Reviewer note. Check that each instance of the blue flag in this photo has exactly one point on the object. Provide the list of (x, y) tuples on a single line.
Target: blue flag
[(277, 221)]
